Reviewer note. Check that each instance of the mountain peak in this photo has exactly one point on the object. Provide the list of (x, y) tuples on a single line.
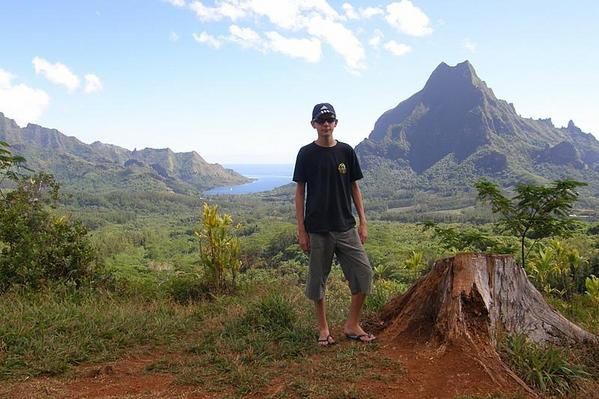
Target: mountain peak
[(457, 119), (460, 75), (6, 121)]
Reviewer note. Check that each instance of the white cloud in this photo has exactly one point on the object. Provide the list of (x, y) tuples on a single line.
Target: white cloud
[(307, 49), (246, 37), (397, 49), (176, 3), (350, 12), (232, 9), (375, 39), (370, 12), (56, 73), (315, 17), (408, 18), (291, 14), (203, 12), (5, 78), (208, 39), (20, 102), (173, 37), (470, 45), (340, 38), (93, 83)]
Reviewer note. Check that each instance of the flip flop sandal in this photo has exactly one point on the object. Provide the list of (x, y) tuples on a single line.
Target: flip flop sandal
[(365, 338), (329, 340)]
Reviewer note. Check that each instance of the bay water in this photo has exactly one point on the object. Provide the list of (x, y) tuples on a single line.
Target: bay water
[(267, 177)]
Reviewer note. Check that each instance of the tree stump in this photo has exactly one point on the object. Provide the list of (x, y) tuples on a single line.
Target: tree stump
[(476, 297), (462, 307)]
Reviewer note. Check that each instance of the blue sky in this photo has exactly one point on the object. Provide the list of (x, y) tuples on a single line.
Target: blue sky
[(235, 80)]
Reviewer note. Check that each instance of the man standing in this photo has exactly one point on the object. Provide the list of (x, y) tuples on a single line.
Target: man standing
[(329, 170)]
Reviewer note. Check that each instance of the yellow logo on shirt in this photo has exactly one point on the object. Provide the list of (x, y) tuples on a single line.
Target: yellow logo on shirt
[(342, 168)]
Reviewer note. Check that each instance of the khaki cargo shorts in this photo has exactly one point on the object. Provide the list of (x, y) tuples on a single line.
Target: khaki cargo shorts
[(350, 254)]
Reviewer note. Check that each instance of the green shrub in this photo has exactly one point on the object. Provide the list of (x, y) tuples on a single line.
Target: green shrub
[(187, 288), (37, 245)]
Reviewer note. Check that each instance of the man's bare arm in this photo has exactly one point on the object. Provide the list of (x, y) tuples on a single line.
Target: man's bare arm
[(302, 235), (359, 203)]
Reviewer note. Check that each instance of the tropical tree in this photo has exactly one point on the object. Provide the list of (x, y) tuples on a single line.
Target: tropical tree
[(535, 211)]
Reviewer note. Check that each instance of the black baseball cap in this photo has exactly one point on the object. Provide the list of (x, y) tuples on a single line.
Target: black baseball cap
[(323, 109)]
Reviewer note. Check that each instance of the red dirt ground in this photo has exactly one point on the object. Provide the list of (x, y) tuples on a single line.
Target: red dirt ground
[(441, 373)]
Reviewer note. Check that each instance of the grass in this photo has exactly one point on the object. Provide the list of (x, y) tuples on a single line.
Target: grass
[(545, 368), (261, 341), (46, 333), (580, 309), (251, 347)]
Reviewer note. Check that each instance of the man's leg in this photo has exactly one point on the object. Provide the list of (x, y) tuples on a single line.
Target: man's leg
[(324, 334), (358, 272), (352, 325), (321, 256)]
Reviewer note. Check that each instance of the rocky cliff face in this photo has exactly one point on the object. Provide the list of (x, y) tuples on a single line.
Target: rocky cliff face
[(108, 166), (455, 130)]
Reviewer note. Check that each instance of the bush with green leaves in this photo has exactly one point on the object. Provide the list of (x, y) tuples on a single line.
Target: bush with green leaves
[(38, 245)]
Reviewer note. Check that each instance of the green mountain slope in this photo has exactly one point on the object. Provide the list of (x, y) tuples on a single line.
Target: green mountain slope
[(454, 131), (425, 154), (99, 167)]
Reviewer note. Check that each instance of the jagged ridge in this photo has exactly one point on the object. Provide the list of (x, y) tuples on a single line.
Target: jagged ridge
[(455, 130), (106, 166)]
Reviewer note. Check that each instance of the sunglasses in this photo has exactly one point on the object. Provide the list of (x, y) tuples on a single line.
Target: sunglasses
[(325, 120)]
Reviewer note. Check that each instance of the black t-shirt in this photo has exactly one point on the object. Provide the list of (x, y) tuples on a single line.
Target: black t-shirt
[(328, 173)]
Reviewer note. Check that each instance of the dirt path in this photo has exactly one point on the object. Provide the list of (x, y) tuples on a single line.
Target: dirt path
[(428, 374)]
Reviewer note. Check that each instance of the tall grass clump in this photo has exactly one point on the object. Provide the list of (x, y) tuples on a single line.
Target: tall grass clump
[(274, 326), (251, 334), (547, 369)]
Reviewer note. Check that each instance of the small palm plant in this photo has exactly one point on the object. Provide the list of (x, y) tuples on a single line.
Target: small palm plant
[(540, 269), (219, 249), (387, 271), (592, 285)]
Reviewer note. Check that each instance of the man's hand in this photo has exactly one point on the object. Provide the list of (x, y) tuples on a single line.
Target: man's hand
[(304, 240), (363, 232)]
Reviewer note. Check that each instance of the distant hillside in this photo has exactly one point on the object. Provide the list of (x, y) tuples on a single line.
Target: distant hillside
[(454, 131), (99, 167)]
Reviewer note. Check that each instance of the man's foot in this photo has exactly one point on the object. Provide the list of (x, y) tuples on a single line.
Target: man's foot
[(365, 338), (326, 341)]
